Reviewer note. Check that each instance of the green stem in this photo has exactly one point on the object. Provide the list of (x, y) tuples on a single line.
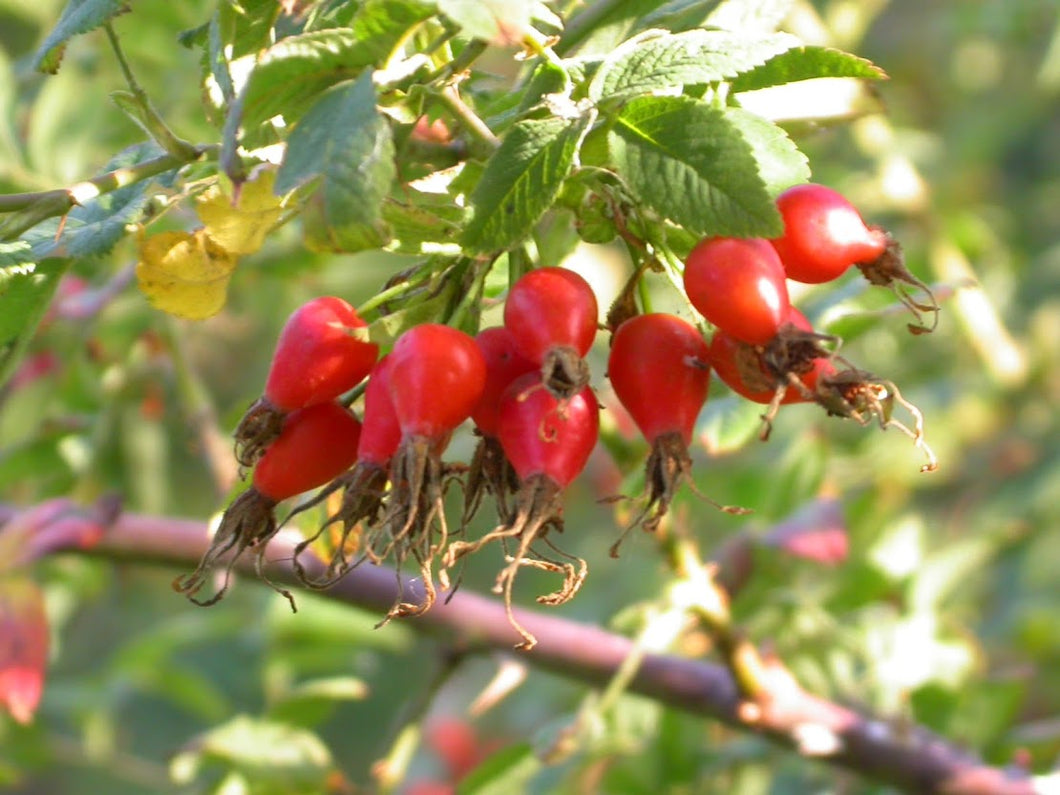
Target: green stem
[(144, 111), (478, 129), (705, 599), (64, 198)]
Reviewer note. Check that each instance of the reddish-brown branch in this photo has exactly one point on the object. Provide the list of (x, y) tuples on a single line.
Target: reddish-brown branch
[(908, 758)]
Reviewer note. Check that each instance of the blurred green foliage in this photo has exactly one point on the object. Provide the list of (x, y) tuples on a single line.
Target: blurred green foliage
[(947, 611)]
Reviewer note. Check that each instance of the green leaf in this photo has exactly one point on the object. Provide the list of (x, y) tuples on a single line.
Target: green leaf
[(521, 180), (507, 771), (26, 288), (655, 60), (419, 223), (806, 63), (499, 21), (273, 756), (688, 161), (380, 25), (79, 16), (290, 75), (780, 163), (345, 143)]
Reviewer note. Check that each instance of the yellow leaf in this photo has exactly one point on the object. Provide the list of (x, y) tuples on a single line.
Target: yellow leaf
[(241, 226), (185, 273)]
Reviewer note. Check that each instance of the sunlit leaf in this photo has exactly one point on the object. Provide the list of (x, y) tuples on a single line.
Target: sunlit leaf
[(687, 160), (185, 273), (658, 60), (346, 145), (241, 226)]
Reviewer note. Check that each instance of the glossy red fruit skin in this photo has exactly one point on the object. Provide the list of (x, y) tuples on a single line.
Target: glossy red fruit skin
[(380, 429), (659, 369), (724, 349), (436, 377), (504, 363), (317, 444), (551, 307), (316, 358), (823, 234), (542, 436), (739, 286)]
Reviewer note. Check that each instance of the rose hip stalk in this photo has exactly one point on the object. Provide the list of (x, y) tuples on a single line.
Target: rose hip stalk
[(548, 442), (860, 396), (552, 315), (364, 486), (317, 358), (436, 377), (659, 369), (490, 471), (315, 445), (782, 372)]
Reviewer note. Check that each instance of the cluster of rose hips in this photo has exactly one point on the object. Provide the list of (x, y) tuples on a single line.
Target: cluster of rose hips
[(525, 387)]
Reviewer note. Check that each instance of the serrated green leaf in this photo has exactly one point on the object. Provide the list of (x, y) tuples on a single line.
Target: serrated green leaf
[(806, 63), (345, 143), (521, 180), (381, 24), (689, 162), (290, 76), (507, 771), (499, 21), (26, 288), (657, 60), (780, 163), (79, 16)]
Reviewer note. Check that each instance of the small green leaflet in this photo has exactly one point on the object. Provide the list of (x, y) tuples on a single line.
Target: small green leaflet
[(656, 60), (79, 16), (521, 180), (805, 63), (689, 162), (26, 289), (345, 142)]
